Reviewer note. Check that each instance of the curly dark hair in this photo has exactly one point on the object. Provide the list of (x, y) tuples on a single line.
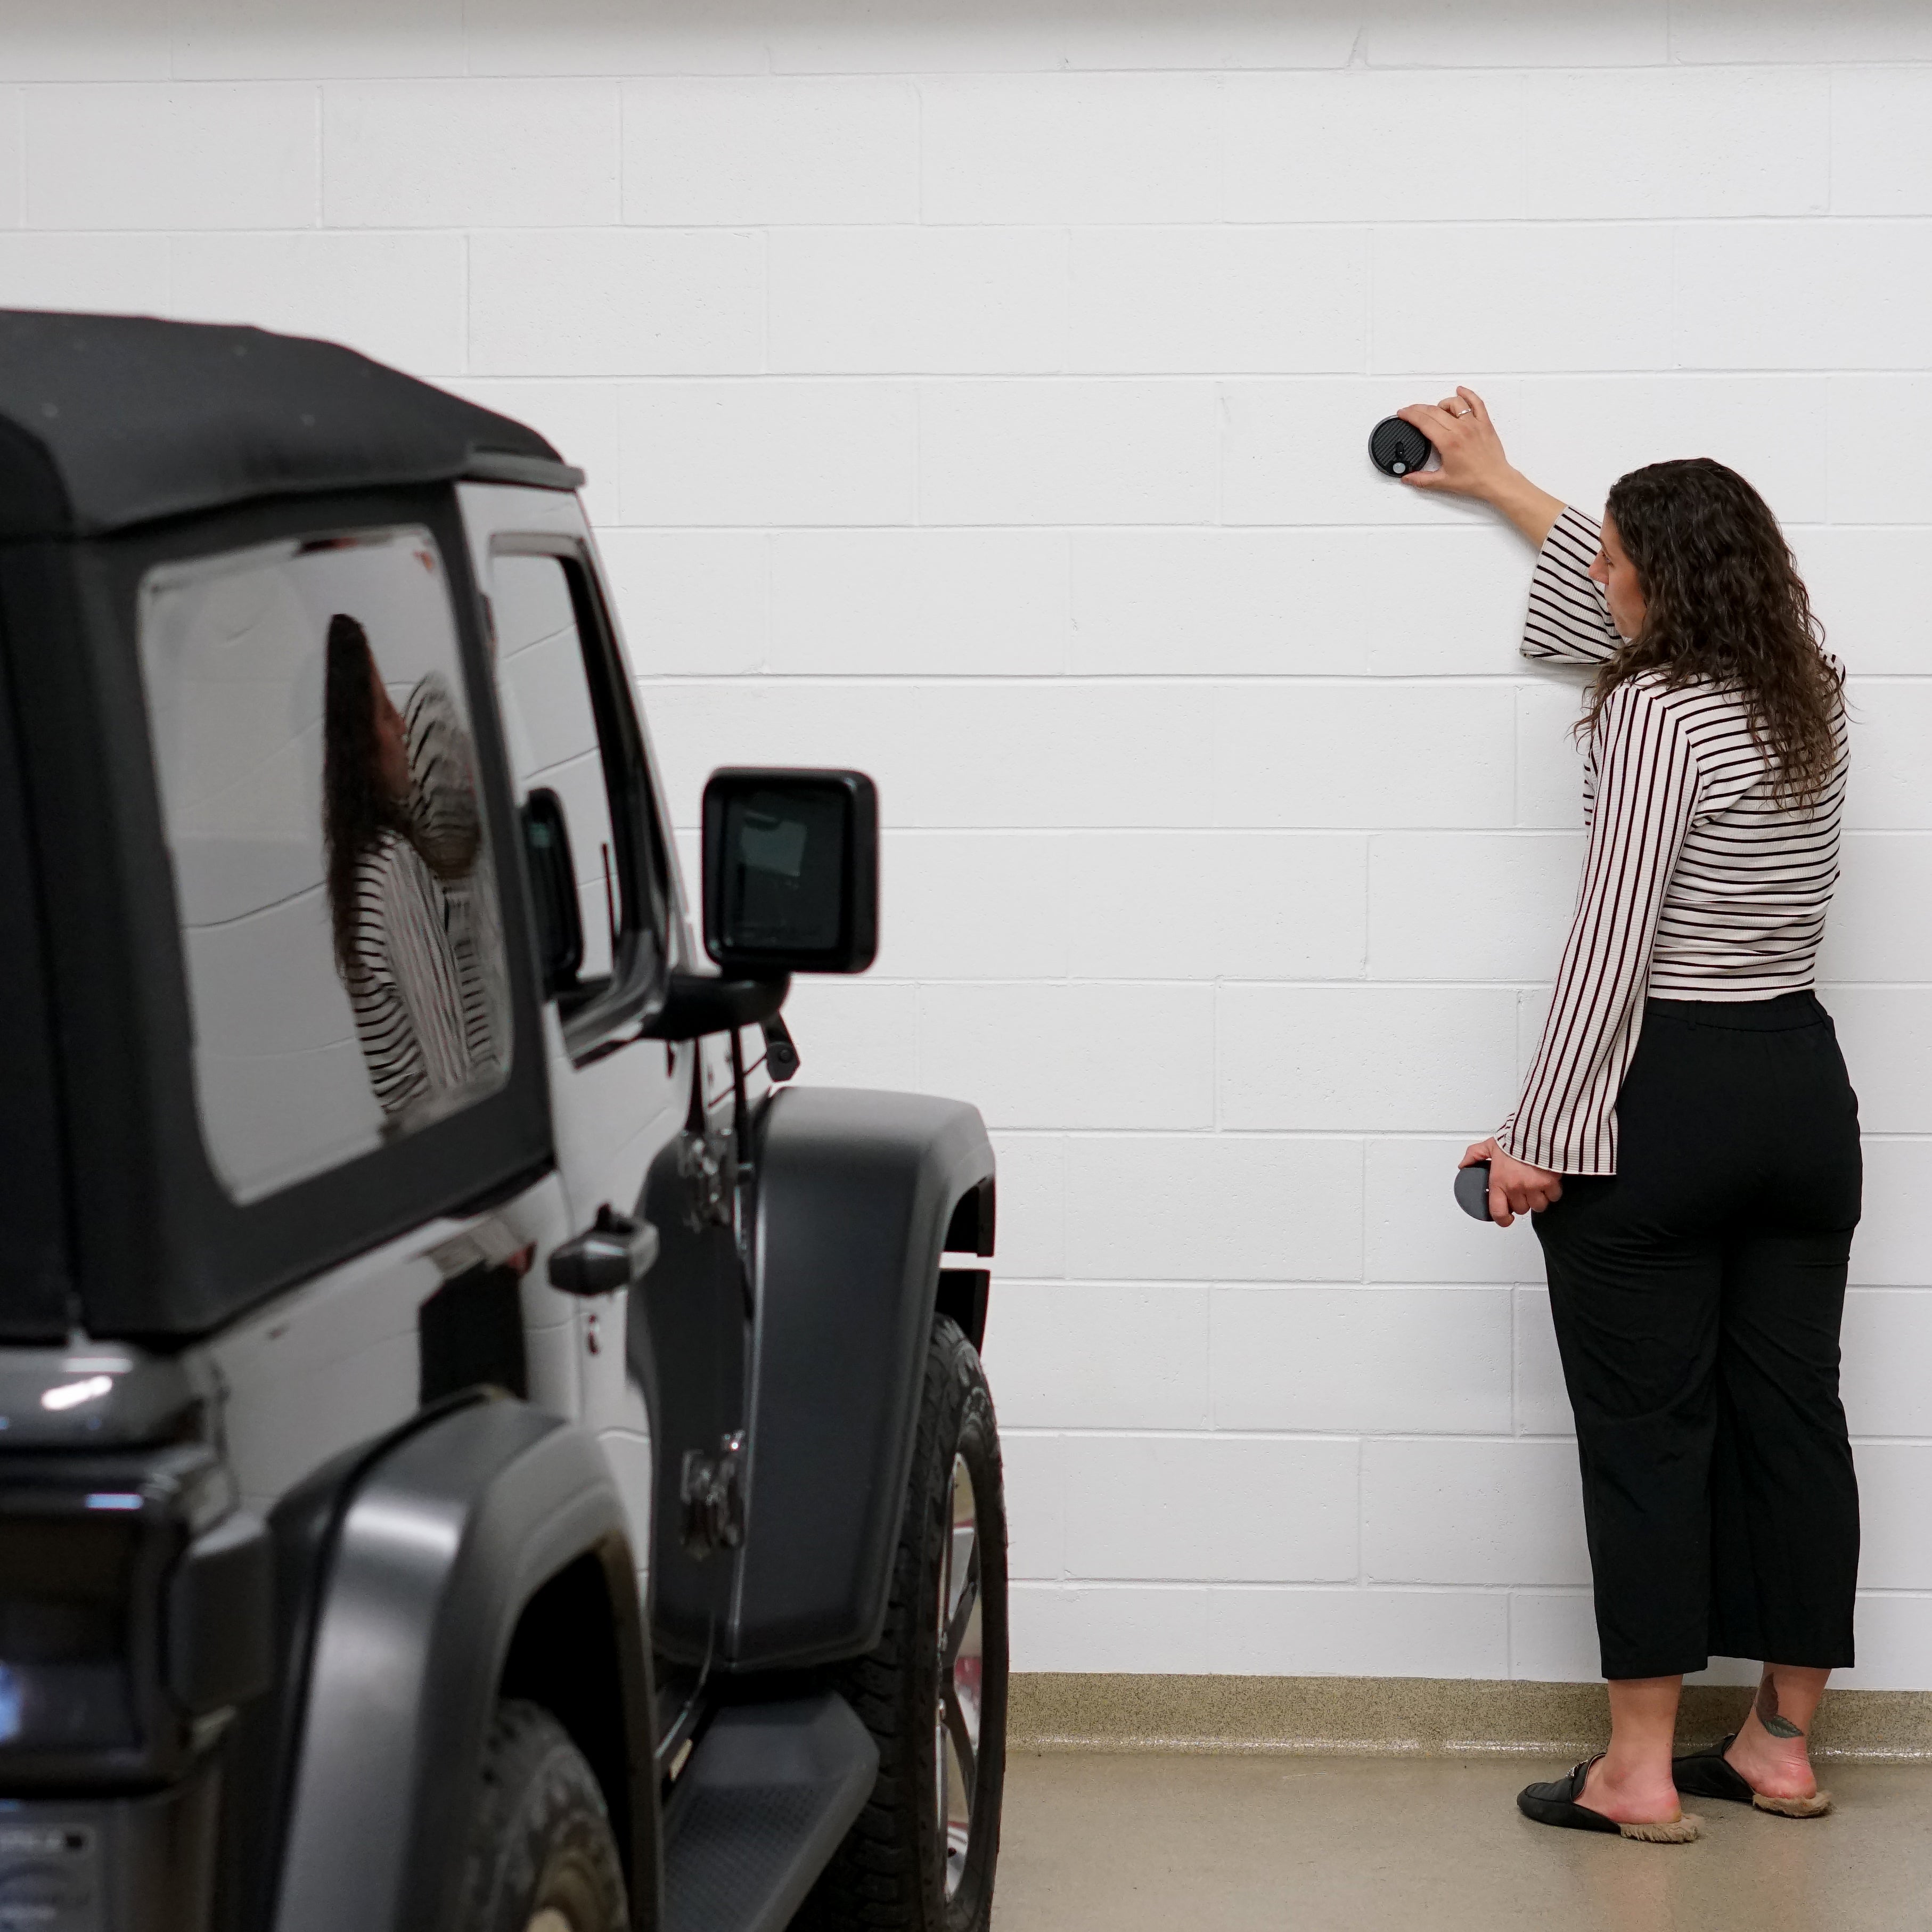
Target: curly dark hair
[(356, 807), (1722, 600)]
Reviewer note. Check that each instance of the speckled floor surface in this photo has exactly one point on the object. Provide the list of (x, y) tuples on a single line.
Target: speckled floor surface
[(1225, 1844)]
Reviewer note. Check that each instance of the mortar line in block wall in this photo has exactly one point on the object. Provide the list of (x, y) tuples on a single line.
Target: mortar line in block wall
[(1372, 832), (1674, 230), (919, 467), (1168, 982), (1372, 1586), (764, 248), (318, 221), (1365, 878), (831, 79), (1232, 533), (623, 196), (1328, 1587), (1497, 680), (768, 597), (1361, 1518), (1222, 1284), (918, 151), (1113, 1432), (1048, 66), (1517, 1429), (1293, 225), (1028, 1130), (1286, 1587), (1361, 1277), (1672, 375), (1215, 1068), (1830, 140), (1675, 375), (1209, 1377)]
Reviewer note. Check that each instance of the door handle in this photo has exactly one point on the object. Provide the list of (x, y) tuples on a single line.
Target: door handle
[(615, 1252)]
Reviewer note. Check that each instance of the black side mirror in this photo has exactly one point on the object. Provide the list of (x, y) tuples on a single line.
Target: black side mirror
[(553, 891), (791, 872)]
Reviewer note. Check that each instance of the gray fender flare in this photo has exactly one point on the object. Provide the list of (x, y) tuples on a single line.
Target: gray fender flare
[(855, 1193), (444, 1541)]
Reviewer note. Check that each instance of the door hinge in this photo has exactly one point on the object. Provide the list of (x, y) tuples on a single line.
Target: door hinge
[(704, 1168), (712, 1491)]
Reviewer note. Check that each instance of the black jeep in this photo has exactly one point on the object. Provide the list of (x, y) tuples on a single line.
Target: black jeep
[(477, 1449)]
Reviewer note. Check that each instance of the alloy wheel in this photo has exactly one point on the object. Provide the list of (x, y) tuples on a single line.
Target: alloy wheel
[(956, 1741)]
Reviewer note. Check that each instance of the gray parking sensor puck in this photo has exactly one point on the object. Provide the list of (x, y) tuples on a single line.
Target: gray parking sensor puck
[(1396, 447), (1472, 1190)]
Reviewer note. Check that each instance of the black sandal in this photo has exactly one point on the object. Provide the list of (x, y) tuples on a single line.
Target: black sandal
[(1710, 1774), (1555, 1803)]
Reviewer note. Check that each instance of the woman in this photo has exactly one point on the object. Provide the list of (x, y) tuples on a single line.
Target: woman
[(388, 909), (1687, 1138)]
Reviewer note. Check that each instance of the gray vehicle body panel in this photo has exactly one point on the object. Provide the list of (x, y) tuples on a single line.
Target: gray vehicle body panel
[(856, 1191), (444, 1542)]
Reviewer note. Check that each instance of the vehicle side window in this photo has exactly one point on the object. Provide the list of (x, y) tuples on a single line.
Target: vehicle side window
[(570, 731), (340, 920)]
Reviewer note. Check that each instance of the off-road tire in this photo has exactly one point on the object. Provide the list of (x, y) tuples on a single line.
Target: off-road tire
[(890, 1873), (541, 1855)]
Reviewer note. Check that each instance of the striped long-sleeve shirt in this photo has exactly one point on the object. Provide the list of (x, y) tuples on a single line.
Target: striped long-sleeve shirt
[(404, 987), (427, 985), (1698, 884), (447, 828)]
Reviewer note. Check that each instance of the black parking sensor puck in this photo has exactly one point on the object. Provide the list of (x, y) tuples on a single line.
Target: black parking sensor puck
[(1472, 1190), (1396, 447)]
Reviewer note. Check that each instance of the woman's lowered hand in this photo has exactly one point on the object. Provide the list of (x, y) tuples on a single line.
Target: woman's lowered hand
[(1515, 1187), (1474, 464)]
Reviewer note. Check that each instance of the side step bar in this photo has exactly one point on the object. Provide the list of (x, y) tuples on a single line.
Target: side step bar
[(769, 1792)]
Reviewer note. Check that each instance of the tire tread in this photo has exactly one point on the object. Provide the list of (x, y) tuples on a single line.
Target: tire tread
[(878, 1880), (534, 1785)]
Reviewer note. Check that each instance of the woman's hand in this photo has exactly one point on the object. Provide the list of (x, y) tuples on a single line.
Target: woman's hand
[(1515, 1187), (1474, 464)]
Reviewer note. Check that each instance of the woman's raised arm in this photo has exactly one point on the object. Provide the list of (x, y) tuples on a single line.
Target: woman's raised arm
[(1567, 619), (1473, 464)]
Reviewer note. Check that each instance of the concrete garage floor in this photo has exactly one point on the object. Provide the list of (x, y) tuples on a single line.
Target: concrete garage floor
[(1148, 1843)]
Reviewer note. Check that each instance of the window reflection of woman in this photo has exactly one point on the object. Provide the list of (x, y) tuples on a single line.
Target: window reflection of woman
[(446, 827), (390, 910)]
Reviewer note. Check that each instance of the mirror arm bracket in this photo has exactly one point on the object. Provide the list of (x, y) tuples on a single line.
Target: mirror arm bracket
[(697, 1003)]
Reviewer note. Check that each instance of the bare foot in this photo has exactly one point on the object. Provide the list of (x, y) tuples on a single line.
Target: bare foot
[(1650, 1799), (1778, 1767)]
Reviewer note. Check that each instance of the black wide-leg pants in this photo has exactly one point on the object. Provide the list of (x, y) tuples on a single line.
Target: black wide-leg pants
[(1696, 1297)]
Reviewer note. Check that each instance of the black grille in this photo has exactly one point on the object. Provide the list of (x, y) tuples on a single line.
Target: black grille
[(1396, 447)]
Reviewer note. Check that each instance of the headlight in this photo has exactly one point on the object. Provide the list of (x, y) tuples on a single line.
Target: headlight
[(135, 1602)]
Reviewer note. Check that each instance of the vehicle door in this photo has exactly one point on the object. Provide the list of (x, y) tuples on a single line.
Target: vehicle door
[(642, 1125)]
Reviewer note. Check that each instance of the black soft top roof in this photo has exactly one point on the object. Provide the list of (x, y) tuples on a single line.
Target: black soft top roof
[(107, 420)]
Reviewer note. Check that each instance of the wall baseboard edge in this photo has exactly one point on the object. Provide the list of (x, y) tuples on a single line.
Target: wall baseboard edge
[(1407, 1717)]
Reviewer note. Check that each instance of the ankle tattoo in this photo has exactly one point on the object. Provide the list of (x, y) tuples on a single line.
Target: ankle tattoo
[(1766, 1707)]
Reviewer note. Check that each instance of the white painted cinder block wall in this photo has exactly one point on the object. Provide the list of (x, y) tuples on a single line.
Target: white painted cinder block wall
[(977, 393)]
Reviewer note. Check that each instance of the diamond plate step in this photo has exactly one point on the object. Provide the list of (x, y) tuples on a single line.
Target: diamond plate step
[(769, 1793)]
